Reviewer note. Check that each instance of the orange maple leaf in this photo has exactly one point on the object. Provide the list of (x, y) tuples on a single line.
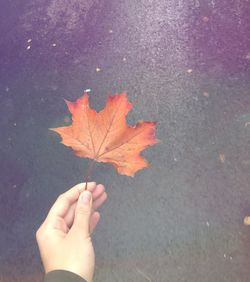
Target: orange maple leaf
[(105, 137)]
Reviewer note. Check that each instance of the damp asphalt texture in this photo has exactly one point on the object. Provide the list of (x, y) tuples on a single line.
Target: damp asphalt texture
[(185, 64)]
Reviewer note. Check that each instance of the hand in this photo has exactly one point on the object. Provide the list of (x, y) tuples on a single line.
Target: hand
[(64, 237)]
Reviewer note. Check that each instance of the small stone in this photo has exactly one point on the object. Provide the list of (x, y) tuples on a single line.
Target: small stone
[(98, 69), (189, 71), (222, 158), (206, 94), (28, 47), (29, 40), (247, 220), (205, 19), (54, 44)]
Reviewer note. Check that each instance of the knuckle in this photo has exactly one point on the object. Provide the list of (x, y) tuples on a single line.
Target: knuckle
[(60, 197), (63, 198), (39, 234)]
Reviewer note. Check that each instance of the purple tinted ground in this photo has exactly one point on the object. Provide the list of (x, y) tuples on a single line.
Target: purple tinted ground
[(185, 64)]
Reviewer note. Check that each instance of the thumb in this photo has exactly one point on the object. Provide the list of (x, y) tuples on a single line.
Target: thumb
[(82, 214)]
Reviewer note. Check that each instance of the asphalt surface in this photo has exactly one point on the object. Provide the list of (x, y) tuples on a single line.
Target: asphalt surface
[(185, 64)]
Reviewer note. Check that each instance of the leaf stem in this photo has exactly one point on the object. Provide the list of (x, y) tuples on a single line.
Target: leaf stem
[(88, 173)]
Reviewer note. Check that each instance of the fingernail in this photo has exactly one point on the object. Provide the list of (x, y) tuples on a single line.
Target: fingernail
[(85, 197)]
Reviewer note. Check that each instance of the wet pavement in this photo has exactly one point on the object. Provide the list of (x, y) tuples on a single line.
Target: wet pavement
[(185, 64)]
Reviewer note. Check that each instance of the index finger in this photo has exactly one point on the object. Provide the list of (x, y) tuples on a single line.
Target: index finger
[(67, 199)]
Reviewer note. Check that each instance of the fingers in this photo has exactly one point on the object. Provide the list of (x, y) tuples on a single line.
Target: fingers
[(99, 189), (64, 202), (95, 217), (90, 186), (98, 200), (81, 224)]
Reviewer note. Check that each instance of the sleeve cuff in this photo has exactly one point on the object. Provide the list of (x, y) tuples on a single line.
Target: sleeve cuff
[(62, 276)]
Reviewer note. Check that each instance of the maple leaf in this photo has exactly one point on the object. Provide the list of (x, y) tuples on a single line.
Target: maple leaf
[(104, 136)]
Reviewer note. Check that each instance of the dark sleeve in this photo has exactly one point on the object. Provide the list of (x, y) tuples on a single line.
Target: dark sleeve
[(62, 276)]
